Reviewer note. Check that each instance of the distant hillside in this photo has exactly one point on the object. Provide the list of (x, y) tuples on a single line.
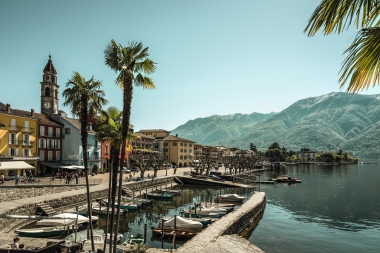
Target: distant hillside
[(330, 122), (216, 128)]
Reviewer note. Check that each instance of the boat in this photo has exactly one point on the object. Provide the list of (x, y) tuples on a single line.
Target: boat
[(139, 200), (98, 234), (134, 240), (126, 205), (205, 221), (229, 198), (286, 179), (169, 233), (66, 219), (103, 210), (186, 214), (172, 192), (159, 196), (45, 231), (183, 224)]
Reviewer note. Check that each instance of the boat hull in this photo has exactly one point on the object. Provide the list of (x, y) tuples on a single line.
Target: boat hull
[(44, 232)]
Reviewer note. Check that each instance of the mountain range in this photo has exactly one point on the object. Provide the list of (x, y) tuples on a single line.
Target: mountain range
[(325, 123)]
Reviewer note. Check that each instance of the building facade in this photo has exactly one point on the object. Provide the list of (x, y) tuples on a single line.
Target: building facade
[(178, 151), (49, 89), (18, 133)]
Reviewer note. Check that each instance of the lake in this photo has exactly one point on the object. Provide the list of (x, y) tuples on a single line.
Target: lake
[(334, 209)]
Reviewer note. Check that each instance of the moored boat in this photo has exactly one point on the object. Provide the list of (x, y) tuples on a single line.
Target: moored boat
[(183, 224), (66, 219), (172, 192), (99, 236), (286, 179), (44, 231), (103, 210), (229, 198), (133, 240), (159, 196), (169, 233)]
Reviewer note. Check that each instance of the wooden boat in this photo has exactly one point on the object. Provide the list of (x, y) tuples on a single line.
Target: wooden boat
[(103, 210), (134, 240), (172, 192), (229, 198), (44, 231), (140, 201), (204, 215), (159, 196), (126, 205), (169, 233), (183, 224), (286, 179)]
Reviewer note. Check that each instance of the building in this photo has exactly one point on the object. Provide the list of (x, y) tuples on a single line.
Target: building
[(18, 138), (178, 151), (72, 151), (306, 154), (49, 89), (197, 149), (155, 133), (49, 144), (206, 150), (143, 141)]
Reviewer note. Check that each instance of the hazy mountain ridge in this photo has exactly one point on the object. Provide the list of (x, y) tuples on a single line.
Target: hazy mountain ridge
[(330, 122)]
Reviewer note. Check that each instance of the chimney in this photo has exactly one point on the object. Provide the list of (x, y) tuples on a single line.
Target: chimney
[(8, 108), (32, 112), (176, 135)]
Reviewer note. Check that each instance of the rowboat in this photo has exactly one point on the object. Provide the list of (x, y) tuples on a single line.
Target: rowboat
[(159, 196), (169, 233), (183, 224), (172, 192), (125, 204), (44, 231), (138, 200), (203, 215), (66, 219), (133, 240), (103, 210)]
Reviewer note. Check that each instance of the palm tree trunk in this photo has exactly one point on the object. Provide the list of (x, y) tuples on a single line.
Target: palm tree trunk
[(108, 207), (84, 135), (127, 101), (115, 167)]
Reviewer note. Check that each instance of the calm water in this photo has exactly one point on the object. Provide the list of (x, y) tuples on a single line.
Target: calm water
[(334, 209)]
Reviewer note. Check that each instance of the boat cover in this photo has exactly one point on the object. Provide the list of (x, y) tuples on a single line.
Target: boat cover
[(65, 219), (183, 223)]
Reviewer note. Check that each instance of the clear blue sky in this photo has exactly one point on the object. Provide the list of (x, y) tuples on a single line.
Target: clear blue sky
[(214, 57)]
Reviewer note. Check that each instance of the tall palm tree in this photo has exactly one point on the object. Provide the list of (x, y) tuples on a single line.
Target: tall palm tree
[(85, 98), (361, 68), (132, 65)]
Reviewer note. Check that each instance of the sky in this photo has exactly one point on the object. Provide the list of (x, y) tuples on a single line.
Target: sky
[(213, 56)]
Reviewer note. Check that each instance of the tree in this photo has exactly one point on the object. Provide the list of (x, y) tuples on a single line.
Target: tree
[(85, 98), (360, 69), (274, 145), (132, 64)]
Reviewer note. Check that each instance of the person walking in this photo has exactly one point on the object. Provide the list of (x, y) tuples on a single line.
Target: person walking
[(2, 178), (16, 179), (76, 177)]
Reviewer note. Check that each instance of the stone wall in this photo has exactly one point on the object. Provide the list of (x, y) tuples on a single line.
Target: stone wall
[(17, 192)]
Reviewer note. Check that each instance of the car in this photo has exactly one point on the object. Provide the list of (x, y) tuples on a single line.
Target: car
[(216, 178), (125, 170)]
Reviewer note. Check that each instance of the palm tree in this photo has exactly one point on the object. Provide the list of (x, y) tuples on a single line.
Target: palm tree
[(132, 64), (85, 98), (361, 68)]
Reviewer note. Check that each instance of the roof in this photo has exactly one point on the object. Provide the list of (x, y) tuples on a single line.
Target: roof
[(50, 67), (175, 138), (144, 136), (47, 121), (76, 123), (154, 130), (15, 112)]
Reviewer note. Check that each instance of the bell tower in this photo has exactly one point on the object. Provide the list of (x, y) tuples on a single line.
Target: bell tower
[(49, 89)]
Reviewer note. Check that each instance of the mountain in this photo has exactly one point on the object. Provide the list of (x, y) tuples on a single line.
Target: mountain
[(217, 128), (330, 122)]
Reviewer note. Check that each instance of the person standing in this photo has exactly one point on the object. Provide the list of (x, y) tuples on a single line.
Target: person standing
[(76, 177), (16, 179), (2, 178)]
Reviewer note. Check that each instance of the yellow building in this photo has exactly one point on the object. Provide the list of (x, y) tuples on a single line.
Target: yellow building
[(18, 139), (178, 151), (155, 133)]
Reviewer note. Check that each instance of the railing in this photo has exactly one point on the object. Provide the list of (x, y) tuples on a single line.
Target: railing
[(94, 159), (97, 147), (28, 130), (13, 128), (28, 143), (15, 142), (48, 181)]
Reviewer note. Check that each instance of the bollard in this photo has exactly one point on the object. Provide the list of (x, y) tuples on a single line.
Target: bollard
[(175, 224)]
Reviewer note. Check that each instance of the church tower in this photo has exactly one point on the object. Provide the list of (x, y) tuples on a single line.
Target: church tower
[(49, 90)]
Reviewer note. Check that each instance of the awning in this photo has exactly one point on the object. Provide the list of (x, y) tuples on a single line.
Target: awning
[(79, 167), (68, 167), (15, 165), (54, 165)]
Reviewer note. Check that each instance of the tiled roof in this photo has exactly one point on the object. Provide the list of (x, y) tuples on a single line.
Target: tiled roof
[(175, 138), (153, 130), (46, 120), (76, 123), (144, 136), (15, 112), (50, 67)]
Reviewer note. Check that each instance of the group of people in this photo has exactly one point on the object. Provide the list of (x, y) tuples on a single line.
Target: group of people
[(70, 176), (16, 244)]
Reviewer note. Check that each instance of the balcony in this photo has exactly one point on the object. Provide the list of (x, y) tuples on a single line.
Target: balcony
[(15, 143), (14, 129), (94, 159), (28, 143), (97, 147), (28, 130)]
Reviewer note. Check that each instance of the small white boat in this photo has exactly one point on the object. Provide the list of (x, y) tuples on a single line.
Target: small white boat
[(65, 219), (229, 198), (183, 224), (99, 236)]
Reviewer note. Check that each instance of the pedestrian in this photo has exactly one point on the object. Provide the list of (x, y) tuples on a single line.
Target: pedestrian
[(76, 177), (175, 169), (15, 244), (2, 178), (16, 179), (68, 178)]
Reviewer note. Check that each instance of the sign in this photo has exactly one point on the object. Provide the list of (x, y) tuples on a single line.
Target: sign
[(73, 156)]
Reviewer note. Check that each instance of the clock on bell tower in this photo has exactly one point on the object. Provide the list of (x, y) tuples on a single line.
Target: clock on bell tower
[(49, 89)]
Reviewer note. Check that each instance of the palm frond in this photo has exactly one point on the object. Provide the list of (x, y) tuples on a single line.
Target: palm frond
[(362, 66), (337, 15), (143, 81)]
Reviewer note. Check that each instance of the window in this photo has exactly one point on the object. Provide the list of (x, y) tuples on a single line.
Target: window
[(181, 143), (12, 139), (42, 130), (185, 144), (174, 143), (57, 155), (190, 150), (181, 157), (96, 144), (47, 92), (165, 144), (185, 150), (58, 132), (41, 143), (42, 155), (96, 155), (12, 152), (50, 131), (165, 150), (50, 144), (181, 150), (26, 138), (190, 145), (50, 155), (25, 152), (67, 130), (185, 157), (47, 79)]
